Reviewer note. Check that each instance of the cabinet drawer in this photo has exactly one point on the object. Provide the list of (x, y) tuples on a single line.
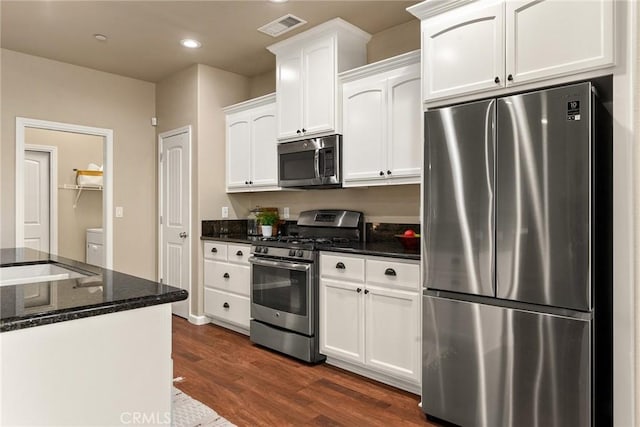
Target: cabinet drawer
[(226, 276), (342, 267), (393, 273), (228, 307), (215, 250), (238, 253)]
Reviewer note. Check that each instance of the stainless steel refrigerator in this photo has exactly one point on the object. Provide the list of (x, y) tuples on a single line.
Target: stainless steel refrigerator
[(517, 292)]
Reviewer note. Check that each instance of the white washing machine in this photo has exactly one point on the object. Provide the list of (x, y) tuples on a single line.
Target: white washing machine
[(95, 247)]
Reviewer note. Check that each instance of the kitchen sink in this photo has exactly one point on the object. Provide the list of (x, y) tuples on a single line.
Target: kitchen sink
[(19, 274)]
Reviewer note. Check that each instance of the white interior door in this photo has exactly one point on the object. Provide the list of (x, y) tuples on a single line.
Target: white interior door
[(175, 251), (36, 200)]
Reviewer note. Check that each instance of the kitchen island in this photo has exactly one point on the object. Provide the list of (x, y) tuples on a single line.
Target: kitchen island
[(82, 345)]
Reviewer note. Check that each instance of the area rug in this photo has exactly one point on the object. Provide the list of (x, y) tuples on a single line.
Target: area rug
[(188, 412)]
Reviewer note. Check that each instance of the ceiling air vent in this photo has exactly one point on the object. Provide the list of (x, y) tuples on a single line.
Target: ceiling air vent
[(282, 25)]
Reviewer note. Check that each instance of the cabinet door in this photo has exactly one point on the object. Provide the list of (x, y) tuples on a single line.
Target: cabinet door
[(364, 132), (392, 332), (341, 320), (576, 37), (238, 151), (404, 144), (289, 93), (319, 82), (464, 51), (264, 155)]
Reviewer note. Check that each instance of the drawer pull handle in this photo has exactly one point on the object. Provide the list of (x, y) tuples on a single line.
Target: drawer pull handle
[(225, 275), (225, 305), (214, 250), (239, 253), (340, 266), (359, 290), (390, 272), (366, 291)]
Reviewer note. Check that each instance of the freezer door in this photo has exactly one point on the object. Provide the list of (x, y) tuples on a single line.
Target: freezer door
[(543, 182), (492, 366), (458, 193)]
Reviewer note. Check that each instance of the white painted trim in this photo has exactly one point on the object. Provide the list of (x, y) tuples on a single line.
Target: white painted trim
[(198, 320), (251, 103), (107, 193), (430, 8), (333, 26), (365, 371), (625, 225), (53, 192), (161, 136), (375, 68)]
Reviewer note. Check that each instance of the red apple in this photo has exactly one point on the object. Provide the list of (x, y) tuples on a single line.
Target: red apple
[(409, 233)]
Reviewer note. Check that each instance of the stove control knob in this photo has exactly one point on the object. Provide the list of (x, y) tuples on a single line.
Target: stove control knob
[(299, 253), (258, 249), (265, 250), (292, 252)]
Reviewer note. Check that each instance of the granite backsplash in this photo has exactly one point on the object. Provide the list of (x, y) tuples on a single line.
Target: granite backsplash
[(374, 231)]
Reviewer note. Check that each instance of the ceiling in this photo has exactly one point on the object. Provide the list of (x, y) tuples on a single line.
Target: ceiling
[(143, 36)]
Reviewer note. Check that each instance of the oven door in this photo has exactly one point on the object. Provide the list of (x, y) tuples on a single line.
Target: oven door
[(282, 294)]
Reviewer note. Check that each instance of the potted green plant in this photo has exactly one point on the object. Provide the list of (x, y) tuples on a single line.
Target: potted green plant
[(267, 219)]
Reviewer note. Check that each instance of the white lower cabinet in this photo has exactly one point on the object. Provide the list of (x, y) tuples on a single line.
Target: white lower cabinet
[(226, 285), (370, 317)]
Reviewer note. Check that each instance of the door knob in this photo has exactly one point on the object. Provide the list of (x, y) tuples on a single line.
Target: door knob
[(183, 235)]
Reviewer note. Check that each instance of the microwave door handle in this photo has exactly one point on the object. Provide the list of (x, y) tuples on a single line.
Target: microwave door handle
[(316, 163)]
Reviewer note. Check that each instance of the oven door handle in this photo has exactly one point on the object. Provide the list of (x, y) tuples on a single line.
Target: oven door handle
[(280, 264)]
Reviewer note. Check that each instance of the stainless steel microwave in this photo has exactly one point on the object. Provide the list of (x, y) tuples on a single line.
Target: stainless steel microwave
[(310, 163)]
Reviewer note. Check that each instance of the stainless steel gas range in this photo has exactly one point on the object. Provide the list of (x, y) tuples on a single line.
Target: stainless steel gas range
[(284, 281)]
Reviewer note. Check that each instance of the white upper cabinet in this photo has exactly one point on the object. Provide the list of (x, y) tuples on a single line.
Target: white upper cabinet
[(464, 51), (472, 47), (252, 158), (307, 66), (553, 37), (382, 123), (289, 95)]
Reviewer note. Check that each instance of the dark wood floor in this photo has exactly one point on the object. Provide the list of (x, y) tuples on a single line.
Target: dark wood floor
[(252, 386)]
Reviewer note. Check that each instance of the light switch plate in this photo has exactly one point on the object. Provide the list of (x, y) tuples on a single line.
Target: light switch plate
[(119, 211), (285, 213), (225, 212)]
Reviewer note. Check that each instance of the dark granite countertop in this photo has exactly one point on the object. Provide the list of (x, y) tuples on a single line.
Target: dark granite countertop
[(105, 291), (387, 248)]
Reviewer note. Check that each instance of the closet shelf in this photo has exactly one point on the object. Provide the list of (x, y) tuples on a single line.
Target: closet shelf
[(79, 188)]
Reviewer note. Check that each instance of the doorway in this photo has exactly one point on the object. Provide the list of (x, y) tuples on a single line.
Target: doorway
[(22, 126)]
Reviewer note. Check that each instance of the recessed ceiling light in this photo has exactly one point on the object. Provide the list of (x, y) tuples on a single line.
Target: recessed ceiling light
[(190, 43), (100, 37), (278, 1)]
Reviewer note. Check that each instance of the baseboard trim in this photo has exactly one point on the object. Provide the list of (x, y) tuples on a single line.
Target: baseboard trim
[(198, 320), (405, 385), (230, 326)]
